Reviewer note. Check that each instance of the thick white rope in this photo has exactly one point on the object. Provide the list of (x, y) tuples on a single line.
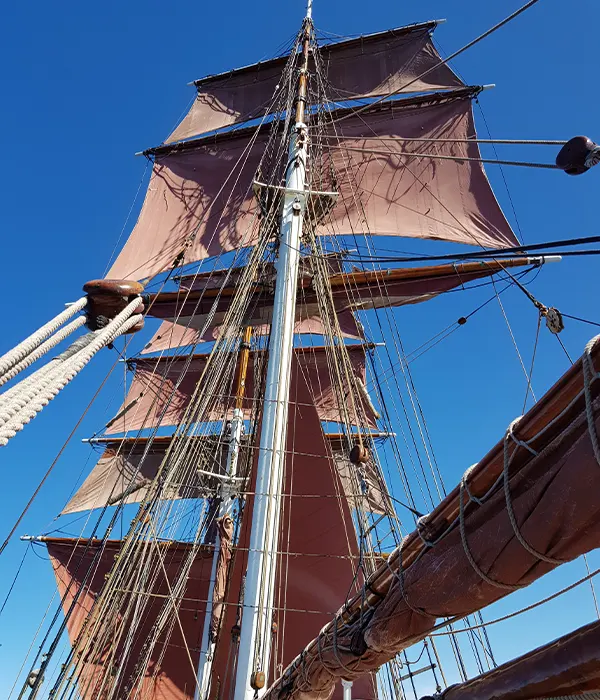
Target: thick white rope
[(17, 397), (18, 353), (63, 374), (52, 342), (589, 374)]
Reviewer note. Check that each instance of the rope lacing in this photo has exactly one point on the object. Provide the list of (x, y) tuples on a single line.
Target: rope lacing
[(509, 508)]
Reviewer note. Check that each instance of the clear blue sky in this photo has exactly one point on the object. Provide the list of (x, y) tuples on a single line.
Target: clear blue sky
[(86, 85)]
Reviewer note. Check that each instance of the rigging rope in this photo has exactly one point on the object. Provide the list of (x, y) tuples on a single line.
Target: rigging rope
[(444, 61), (44, 388), (18, 353), (435, 156)]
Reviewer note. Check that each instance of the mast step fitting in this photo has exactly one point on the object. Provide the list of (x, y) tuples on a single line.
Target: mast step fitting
[(258, 680), (359, 454), (578, 155), (107, 298)]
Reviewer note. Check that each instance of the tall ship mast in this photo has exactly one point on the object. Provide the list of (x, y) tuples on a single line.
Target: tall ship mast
[(267, 518)]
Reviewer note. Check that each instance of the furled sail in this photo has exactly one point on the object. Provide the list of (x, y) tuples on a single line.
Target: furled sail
[(128, 465), (544, 472), (568, 666), (376, 64), (199, 314), (200, 200), (161, 389)]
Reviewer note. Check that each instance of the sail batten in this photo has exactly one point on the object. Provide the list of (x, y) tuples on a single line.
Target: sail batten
[(368, 66)]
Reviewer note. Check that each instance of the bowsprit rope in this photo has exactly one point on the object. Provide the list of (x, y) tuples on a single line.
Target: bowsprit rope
[(42, 388)]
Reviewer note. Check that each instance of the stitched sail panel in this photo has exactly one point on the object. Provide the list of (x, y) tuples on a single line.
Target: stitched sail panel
[(169, 674), (199, 318), (318, 557)]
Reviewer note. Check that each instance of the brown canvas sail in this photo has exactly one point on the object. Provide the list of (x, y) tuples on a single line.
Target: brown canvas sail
[(200, 198), (199, 311), (477, 555), (127, 466), (126, 469), (371, 65), (162, 388), (318, 548), (192, 331), (318, 562), (568, 666), (170, 676)]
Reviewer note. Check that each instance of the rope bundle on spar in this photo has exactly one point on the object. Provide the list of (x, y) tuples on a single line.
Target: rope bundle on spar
[(112, 308)]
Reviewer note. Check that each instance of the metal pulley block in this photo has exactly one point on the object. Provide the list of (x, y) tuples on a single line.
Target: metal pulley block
[(554, 320)]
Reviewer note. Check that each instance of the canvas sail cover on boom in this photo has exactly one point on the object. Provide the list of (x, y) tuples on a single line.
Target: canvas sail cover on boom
[(200, 200), (567, 667), (463, 558), (368, 66)]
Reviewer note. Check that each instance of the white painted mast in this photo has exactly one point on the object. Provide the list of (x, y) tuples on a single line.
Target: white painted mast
[(228, 493), (256, 629)]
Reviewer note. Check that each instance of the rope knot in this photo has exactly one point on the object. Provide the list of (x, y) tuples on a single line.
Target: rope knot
[(521, 443), (464, 484)]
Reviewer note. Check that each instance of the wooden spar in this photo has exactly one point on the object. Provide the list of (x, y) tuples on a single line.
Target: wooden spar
[(164, 440), (244, 358), (342, 280), (559, 407), (228, 494), (567, 666)]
